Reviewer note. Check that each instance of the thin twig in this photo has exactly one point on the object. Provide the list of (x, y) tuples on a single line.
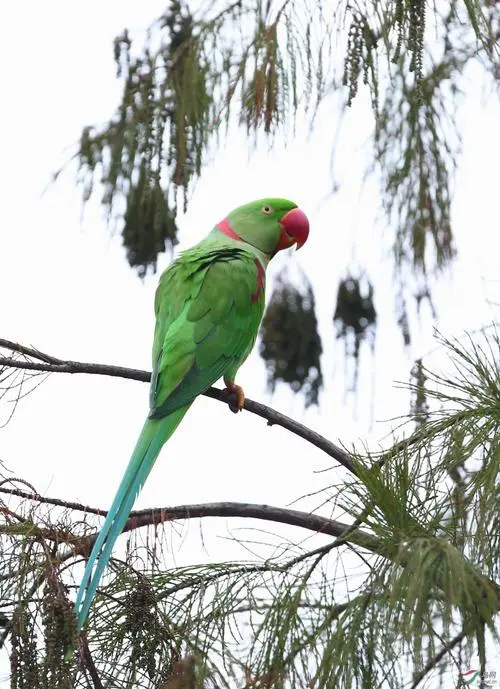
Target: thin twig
[(341, 539), (434, 661), (36, 497), (49, 364), (29, 351)]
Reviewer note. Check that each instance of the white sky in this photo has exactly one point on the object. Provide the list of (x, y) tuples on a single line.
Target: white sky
[(65, 286)]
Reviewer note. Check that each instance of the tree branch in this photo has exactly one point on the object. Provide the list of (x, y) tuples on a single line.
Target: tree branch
[(88, 662), (50, 364), (304, 520), (159, 515)]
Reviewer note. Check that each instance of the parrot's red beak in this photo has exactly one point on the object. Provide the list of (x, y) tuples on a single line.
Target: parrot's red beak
[(294, 229)]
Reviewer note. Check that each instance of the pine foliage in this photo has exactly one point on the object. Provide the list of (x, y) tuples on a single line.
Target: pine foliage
[(411, 587)]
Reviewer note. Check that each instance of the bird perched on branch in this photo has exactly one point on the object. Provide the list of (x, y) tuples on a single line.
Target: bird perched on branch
[(208, 306)]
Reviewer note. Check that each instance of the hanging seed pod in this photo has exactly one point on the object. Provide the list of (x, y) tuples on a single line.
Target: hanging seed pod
[(419, 407), (24, 669), (355, 317), (290, 342), (58, 630), (144, 627), (360, 57), (150, 225)]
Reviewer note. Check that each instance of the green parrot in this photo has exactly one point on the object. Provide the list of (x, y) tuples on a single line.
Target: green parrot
[(208, 306)]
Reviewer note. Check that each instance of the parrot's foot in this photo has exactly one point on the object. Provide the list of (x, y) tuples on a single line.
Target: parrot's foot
[(235, 395)]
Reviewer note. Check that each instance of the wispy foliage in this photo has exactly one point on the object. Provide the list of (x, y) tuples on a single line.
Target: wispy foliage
[(415, 147), (263, 63), (161, 125), (413, 586)]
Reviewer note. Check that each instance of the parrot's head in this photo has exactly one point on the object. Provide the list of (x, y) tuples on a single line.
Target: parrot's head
[(268, 224)]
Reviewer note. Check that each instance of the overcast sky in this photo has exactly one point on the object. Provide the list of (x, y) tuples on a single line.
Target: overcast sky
[(65, 286)]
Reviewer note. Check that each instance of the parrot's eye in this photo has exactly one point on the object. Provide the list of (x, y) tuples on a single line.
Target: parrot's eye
[(267, 210)]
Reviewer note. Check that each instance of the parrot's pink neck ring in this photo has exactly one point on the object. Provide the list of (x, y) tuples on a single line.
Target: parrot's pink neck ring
[(225, 227)]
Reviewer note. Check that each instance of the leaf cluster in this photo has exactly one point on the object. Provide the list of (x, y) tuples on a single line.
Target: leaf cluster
[(290, 342)]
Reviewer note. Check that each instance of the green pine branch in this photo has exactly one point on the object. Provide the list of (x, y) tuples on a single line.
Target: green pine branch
[(411, 583)]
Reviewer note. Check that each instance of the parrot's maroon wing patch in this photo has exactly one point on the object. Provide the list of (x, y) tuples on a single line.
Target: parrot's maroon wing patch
[(260, 280)]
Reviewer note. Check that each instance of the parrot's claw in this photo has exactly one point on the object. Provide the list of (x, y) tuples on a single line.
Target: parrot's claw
[(235, 396)]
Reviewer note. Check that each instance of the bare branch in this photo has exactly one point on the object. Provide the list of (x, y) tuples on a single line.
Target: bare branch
[(49, 364), (158, 515), (305, 520), (36, 497), (88, 662)]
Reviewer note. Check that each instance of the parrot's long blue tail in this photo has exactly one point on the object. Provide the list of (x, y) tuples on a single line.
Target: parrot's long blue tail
[(154, 435)]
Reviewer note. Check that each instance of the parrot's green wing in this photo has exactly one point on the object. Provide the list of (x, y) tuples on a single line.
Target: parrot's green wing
[(208, 312)]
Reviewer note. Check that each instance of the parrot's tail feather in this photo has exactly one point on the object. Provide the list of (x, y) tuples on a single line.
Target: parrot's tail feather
[(153, 436)]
